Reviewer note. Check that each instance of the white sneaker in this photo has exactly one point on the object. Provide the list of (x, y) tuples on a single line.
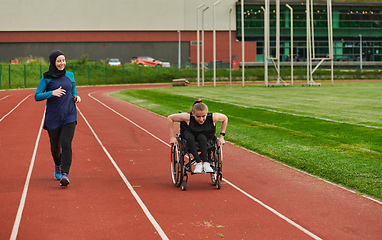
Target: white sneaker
[(198, 168), (207, 167)]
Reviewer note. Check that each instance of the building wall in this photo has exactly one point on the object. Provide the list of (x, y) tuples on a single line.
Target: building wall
[(117, 29), (112, 15), (123, 45), (99, 51)]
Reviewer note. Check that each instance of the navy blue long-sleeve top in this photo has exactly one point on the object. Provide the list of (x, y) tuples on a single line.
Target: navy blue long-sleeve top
[(59, 110)]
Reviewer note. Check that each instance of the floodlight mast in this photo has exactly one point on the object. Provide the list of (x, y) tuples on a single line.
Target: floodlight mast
[(198, 44)]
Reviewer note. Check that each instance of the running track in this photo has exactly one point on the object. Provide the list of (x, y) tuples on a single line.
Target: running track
[(121, 186)]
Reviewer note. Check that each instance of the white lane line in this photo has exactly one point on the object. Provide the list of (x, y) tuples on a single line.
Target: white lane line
[(273, 211), (326, 181), (129, 120), (4, 97), (14, 108), (370, 198), (16, 224), (237, 188), (136, 196)]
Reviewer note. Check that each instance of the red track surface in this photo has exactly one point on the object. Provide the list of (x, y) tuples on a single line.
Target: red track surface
[(135, 198)]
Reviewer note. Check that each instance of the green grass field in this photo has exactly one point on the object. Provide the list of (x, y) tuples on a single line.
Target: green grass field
[(333, 132)]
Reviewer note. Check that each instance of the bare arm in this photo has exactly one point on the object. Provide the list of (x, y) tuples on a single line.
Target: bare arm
[(219, 117), (178, 117)]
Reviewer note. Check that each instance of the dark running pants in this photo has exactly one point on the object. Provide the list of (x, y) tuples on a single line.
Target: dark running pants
[(191, 144), (61, 145)]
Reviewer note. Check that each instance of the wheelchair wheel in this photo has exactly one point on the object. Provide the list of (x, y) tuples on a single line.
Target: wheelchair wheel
[(218, 181), (217, 162), (184, 182), (176, 165)]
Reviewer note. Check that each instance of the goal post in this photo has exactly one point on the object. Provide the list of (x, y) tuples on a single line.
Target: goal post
[(310, 47), (275, 60), (311, 55)]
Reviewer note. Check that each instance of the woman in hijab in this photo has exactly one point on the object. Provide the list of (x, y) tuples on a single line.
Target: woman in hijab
[(59, 88)]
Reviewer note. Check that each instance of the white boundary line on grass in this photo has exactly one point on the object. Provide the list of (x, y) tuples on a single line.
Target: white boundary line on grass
[(136, 196), (14, 108), (20, 210), (237, 188), (288, 113)]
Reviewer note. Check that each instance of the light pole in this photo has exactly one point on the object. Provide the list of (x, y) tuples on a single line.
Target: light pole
[(278, 38), (215, 4), (266, 41), (360, 52), (203, 44), (291, 43), (230, 48), (179, 64), (242, 41), (197, 39)]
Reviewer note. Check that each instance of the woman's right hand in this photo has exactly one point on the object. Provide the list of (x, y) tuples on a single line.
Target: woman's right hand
[(221, 140), (59, 92), (173, 141)]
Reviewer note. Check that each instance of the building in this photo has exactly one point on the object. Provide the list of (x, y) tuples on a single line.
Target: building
[(126, 28), (353, 21), (118, 29)]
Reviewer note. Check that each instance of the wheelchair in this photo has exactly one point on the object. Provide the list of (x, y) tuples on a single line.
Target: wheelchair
[(182, 162)]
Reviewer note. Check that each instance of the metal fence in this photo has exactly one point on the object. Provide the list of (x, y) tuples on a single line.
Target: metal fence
[(29, 75)]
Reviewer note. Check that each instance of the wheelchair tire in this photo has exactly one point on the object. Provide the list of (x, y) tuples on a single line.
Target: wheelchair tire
[(184, 182), (219, 181), (217, 163), (176, 165)]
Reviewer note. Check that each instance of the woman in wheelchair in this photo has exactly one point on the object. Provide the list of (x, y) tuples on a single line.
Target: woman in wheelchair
[(201, 127)]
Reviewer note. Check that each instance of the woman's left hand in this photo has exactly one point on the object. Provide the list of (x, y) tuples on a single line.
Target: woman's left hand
[(76, 99)]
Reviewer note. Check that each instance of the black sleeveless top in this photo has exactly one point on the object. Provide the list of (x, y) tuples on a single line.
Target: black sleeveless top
[(207, 128)]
